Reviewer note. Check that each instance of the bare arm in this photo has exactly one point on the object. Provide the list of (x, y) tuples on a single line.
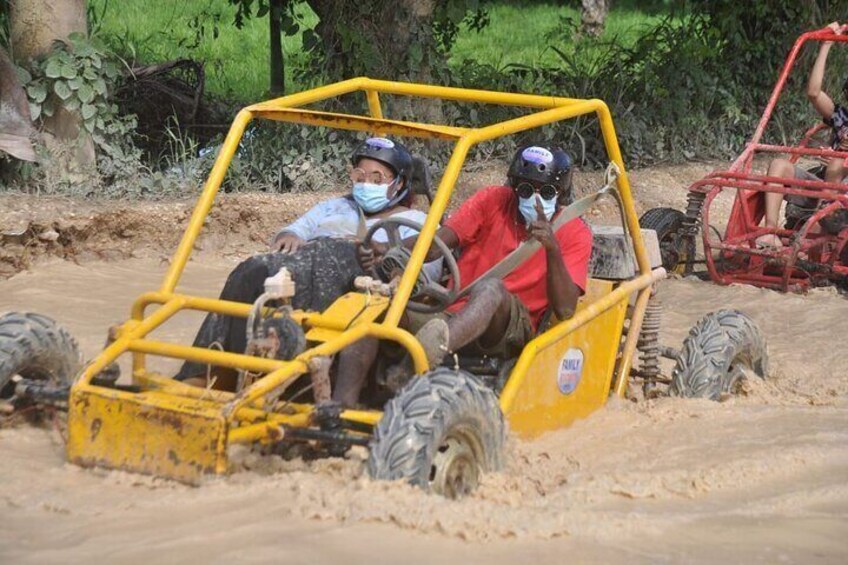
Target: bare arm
[(563, 293), (819, 98)]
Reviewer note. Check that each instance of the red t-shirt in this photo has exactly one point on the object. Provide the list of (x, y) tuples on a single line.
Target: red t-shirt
[(489, 227)]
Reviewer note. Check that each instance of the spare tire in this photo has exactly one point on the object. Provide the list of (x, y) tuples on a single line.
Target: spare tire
[(36, 347), (674, 248), (440, 432), (721, 350)]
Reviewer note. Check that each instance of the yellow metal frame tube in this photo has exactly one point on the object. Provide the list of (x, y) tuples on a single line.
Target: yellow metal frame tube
[(623, 374), (374, 108), (614, 151), (206, 200), (425, 237), (362, 123), (298, 366), (467, 95), (121, 344), (205, 356), (214, 305)]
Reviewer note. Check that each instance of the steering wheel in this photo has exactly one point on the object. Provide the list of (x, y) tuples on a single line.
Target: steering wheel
[(397, 258)]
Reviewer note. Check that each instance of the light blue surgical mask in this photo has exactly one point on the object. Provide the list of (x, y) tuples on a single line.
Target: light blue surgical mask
[(527, 207), (371, 197)]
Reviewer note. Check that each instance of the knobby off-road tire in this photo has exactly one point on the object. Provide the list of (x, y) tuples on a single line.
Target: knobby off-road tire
[(440, 433), (720, 351), (35, 347), (668, 224)]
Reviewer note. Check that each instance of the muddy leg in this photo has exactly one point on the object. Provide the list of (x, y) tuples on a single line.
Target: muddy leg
[(774, 200), (485, 316), (355, 361)]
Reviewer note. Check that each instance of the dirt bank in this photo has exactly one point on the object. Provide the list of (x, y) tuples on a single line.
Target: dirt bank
[(37, 228)]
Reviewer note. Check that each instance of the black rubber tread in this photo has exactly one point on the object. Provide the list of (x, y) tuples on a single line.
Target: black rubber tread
[(36, 347), (417, 420), (718, 344), (664, 221)]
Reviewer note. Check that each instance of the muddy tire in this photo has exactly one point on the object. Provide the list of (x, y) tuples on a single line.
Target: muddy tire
[(668, 224), (721, 350), (440, 433), (35, 347)]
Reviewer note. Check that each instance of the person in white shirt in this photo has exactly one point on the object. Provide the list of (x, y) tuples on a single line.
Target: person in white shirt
[(319, 248)]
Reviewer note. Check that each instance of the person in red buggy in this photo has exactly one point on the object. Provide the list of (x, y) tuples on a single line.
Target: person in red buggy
[(833, 170)]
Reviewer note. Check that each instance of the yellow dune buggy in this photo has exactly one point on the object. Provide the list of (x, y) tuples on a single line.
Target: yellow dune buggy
[(444, 427)]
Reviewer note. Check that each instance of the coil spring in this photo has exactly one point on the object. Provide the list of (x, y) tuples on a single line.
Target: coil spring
[(649, 342), (690, 226), (694, 206)]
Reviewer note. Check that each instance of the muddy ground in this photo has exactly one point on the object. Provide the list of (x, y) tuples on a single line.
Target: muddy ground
[(759, 478)]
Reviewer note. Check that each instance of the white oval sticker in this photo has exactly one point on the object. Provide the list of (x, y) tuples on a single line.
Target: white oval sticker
[(380, 142), (538, 155), (570, 370)]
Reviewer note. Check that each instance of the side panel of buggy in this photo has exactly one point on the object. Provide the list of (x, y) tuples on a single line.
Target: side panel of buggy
[(567, 372)]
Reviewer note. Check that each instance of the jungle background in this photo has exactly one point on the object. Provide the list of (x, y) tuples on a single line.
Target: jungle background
[(131, 98)]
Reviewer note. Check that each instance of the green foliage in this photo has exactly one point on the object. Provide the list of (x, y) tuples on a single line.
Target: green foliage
[(76, 75), (79, 76), (684, 83)]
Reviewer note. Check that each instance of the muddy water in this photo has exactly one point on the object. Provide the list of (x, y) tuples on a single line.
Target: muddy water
[(763, 478)]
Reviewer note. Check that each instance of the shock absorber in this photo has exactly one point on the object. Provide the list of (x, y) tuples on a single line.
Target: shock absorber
[(691, 224), (649, 346)]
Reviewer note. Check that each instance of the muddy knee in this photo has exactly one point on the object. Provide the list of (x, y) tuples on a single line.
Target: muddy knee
[(494, 290), (781, 167)]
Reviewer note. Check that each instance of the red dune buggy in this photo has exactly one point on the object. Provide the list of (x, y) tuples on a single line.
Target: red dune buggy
[(815, 232)]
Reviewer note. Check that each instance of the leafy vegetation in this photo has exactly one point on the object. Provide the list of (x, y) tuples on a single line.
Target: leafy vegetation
[(685, 79)]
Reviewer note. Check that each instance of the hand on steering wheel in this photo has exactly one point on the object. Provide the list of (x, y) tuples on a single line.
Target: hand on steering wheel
[(396, 257)]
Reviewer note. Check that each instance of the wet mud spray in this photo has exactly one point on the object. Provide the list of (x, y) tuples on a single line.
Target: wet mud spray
[(762, 477)]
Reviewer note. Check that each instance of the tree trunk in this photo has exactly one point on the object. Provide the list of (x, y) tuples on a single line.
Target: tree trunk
[(392, 40), (16, 131), (593, 16), (278, 79), (34, 26)]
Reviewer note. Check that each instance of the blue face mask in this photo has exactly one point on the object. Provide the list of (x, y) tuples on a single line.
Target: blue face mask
[(371, 197), (527, 207)]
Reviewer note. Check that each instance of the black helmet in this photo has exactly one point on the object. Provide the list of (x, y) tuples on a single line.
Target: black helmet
[(542, 165), (390, 153)]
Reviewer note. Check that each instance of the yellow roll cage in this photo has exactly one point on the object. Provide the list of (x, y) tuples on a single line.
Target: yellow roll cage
[(240, 418)]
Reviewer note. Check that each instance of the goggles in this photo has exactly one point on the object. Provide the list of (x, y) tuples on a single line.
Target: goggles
[(525, 189), (375, 177)]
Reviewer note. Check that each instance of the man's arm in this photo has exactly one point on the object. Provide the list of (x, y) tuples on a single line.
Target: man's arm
[(819, 98), (563, 292)]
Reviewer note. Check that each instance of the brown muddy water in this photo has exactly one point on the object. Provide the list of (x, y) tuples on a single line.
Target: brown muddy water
[(757, 479)]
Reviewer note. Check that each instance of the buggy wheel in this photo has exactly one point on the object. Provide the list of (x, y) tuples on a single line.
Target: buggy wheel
[(721, 350), (441, 432), (35, 347), (675, 249)]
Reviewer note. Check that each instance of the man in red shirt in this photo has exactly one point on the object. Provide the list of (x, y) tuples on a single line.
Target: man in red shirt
[(498, 317)]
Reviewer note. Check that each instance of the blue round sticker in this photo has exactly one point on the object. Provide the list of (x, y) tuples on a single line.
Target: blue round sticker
[(570, 370)]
